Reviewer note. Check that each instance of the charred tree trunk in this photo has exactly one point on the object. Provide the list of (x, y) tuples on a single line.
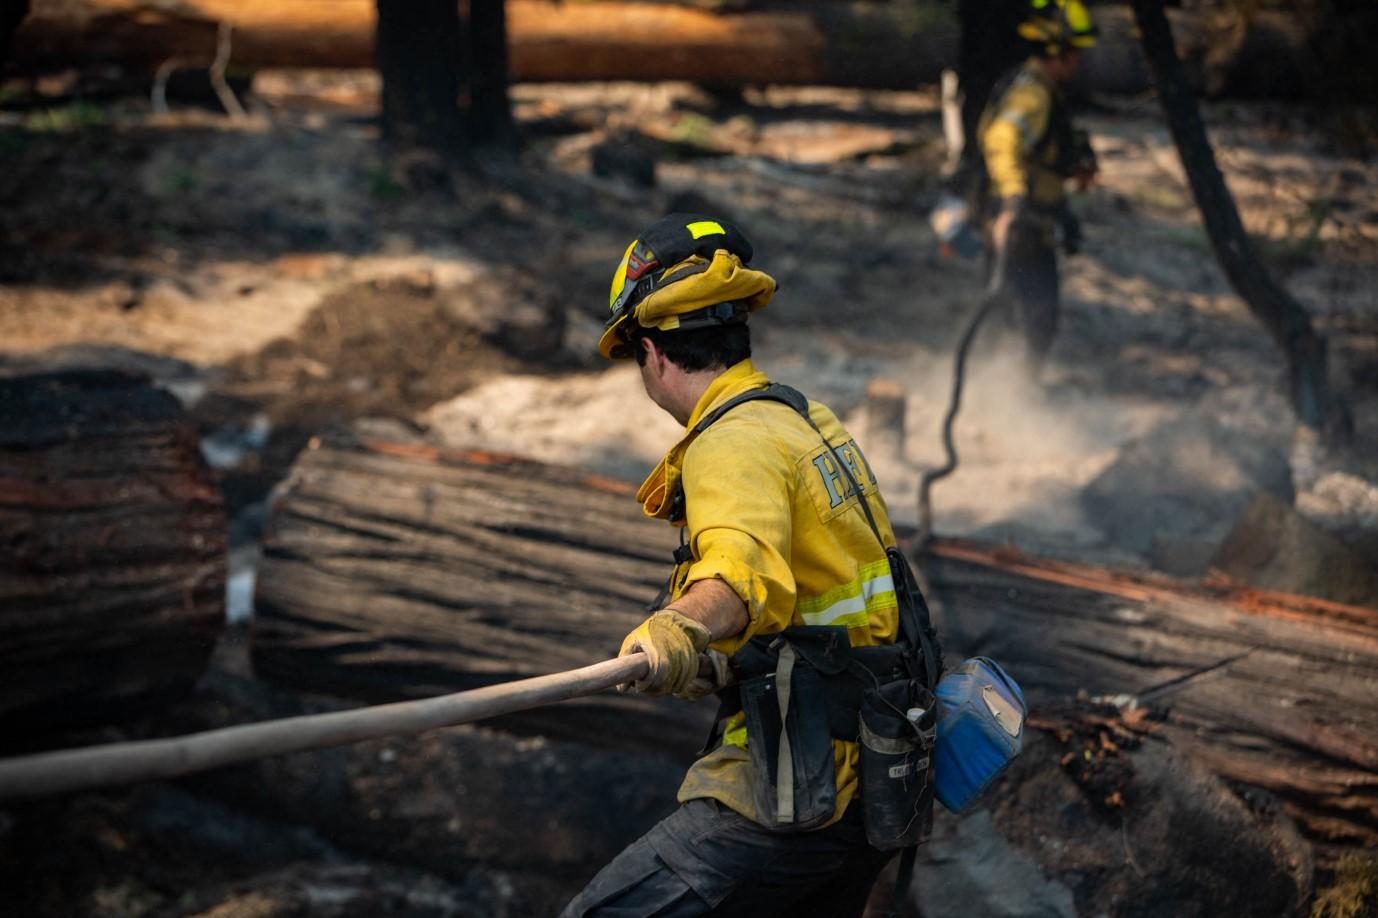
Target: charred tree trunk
[(1284, 318), (112, 550), (1268, 689), (12, 12), (418, 54), (490, 113), (395, 572), (990, 46)]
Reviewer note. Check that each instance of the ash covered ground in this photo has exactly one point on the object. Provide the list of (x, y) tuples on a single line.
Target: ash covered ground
[(278, 277)]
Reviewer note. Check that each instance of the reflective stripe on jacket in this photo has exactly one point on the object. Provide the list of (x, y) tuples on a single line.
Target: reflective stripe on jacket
[(766, 514)]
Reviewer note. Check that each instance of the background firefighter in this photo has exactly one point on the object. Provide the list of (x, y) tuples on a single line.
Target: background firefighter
[(776, 537), (1030, 150)]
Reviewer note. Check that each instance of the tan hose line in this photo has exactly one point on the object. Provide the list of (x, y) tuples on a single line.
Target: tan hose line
[(73, 770)]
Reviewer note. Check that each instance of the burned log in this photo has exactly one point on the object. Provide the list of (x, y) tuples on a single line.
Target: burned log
[(112, 574), (881, 45), (396, 572), (1269, 689), (821, 42)]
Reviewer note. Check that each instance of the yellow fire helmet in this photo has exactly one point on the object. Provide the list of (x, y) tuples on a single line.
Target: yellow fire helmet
[(686, 271), (1058, 25)]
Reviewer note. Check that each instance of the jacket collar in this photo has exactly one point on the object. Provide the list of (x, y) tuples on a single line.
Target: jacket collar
[(736, 379), (657, 492)]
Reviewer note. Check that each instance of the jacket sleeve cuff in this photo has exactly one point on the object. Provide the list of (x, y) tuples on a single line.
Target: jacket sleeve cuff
[(755, 589)]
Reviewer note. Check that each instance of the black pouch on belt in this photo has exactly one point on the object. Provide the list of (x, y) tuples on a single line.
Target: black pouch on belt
[(793, 774), (898, 725)]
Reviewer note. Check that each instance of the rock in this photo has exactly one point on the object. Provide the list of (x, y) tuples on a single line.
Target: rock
[(1189, 477), (1273, 547)]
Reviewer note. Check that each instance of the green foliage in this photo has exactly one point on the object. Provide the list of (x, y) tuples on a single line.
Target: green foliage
[(693, 129), (1354, 894), (179, 181), (62, 119), (382, 186)]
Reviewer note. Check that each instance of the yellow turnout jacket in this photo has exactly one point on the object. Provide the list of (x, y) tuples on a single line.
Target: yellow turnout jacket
[(1011, 130), (766, 515)]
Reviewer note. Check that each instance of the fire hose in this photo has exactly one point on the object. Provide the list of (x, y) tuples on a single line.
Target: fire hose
[(993, 296), (930, 476), (73, 770)]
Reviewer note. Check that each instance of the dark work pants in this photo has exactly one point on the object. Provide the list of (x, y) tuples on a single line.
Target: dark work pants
[(705, 859), (1030, 288)]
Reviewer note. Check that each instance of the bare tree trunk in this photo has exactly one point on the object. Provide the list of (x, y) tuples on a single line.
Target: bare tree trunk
[(418, 53), (490, 115), (990, 46), (1284, 318), (12, 12)]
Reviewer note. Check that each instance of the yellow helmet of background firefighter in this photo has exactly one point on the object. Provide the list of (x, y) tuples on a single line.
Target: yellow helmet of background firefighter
[(1058, 25), (686, 271)]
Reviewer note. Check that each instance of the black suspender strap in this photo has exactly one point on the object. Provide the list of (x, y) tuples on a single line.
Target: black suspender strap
[(915, 623)]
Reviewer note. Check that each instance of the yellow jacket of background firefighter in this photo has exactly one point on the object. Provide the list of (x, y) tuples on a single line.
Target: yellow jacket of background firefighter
[(765, 514), (1019, 140)]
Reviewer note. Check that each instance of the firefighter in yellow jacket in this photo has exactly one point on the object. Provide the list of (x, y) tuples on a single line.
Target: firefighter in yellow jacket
[(783, 528), (1030, 151)]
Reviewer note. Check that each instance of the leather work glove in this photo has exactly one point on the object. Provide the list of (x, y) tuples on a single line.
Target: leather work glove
[(714, 673), (672, 643)]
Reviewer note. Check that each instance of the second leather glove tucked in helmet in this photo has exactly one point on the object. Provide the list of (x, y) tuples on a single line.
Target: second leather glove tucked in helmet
[(686, 271)]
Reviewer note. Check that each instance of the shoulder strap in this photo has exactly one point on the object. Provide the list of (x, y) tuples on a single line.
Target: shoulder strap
[(915, 623), (778, 392), (775, 392)]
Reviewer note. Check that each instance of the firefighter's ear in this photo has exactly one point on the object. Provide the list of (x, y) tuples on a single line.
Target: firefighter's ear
[(652, 357)]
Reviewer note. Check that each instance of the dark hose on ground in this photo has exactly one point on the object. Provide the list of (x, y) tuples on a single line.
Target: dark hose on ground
[(992, 297), (954, 405)]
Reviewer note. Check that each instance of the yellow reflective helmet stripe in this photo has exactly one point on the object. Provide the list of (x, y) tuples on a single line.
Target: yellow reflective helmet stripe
[(1079, 22), (705, 228), (619, 277), (1059, 23)]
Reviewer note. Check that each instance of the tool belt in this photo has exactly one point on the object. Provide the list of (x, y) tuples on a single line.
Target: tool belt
[(803, 687)]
